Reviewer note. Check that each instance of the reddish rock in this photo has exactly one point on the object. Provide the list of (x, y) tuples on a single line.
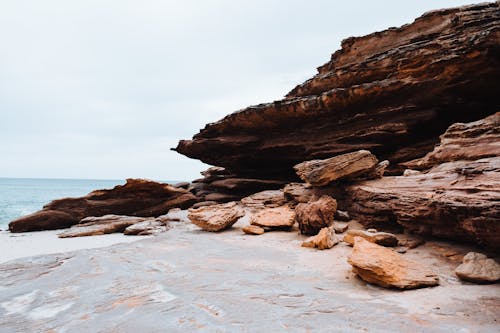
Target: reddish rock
[(216, 217), (315, 215), (373, 236), (253, 230), (275, 218), (325, 239), (138, 197)]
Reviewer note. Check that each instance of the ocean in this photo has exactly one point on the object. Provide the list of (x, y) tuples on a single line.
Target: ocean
[(22, 196)]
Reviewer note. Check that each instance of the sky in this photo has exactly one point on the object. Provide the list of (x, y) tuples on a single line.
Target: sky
[(102, 89)]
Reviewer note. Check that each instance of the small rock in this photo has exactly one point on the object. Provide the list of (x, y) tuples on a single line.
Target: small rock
[(325, 239), (203, 204), (315, 215), (409, 172), (341, 215), (372, 230), (380, 238), (150, 227), (276, 218), (253, 230), (478, 268), (216, 217), (183, 185), (340, 227), (384, 267)]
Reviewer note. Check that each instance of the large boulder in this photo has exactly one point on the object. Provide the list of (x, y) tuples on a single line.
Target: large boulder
[(382, 266), (323, 172), (315, 215), (216, 217), (477, 267), (138, 197)]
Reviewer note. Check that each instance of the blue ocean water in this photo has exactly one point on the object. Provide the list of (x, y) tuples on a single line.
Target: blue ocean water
[(21, 196)]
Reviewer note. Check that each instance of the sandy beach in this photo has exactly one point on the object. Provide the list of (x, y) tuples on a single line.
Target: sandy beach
[(20, 245)]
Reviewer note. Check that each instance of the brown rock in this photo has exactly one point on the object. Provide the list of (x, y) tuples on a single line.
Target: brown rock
[(216, 217), (270, 199), (138, 197), (325, 239), (107, 224), (477, 267), (323, 172), (315, 215), (204, 203), (380, 238), (149, 227), (253, 230), (458, 198), (340, 227), (381, 266), (277, 218)]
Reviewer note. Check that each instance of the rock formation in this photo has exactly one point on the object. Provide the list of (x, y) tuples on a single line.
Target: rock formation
[(138, 197), (386, 268), (458, 198), (274, 218), (391, 92)]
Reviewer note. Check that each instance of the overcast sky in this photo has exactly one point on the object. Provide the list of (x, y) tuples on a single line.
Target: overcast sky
[(103, 89)]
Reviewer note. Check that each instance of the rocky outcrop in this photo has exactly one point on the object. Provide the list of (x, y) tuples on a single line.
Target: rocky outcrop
[(458, 198), (323, 172), (274, 218), (381, 266), (315, 215), (391, 92), (107, 224), (380, 238), (138, 197), (216, 217), (477, 267)]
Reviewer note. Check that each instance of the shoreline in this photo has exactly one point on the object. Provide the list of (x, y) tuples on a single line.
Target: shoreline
[(28, 244)]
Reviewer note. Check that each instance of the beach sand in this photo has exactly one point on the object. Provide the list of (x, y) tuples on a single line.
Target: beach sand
[(20, 245)]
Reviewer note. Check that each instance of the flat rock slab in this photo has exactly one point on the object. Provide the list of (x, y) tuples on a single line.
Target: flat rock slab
[(107, 224), (216, 217), (386, 268), (380, 238), (275, 218), (186, 280)]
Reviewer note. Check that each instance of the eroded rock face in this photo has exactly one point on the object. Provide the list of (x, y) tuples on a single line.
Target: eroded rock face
[(380, 238), (138, 197), (458, 198), (315, 215), (391, 92), (477, 267), (381, 266), (275, 218), (216, 217), (107, 224), (325, 239), (323, 172)]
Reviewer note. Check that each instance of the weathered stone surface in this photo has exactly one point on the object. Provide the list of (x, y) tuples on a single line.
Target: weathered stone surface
[(253, 230), (340, 227), (315, 215), (391, 92), (381, 266), (107, 224), (380, 238), (149, 227), (270, 199), (138, 197), (216, 217), (323, 172), (458, 198), (477, 267), (325, 239), (276, 218)]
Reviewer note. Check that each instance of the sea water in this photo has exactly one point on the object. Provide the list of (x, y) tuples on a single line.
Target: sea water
[(22, 196)]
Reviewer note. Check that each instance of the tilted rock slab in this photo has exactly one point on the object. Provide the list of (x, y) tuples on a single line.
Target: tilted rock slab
[(323, 172), (138, 197), (325, 239), (477, 267), (391, 92), (107, 224), (382, 266), (315, 215), (275, 218), (216, 217), (380, 238)]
